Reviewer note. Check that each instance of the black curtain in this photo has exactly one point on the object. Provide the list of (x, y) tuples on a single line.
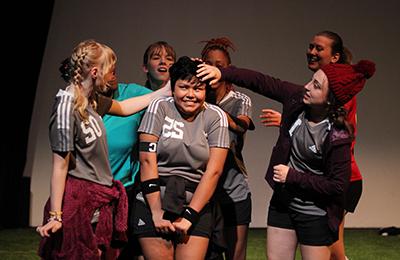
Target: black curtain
[(24, 40)]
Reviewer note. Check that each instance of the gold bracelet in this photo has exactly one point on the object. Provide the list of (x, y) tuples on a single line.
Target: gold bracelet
[(56, 218), (55, 213)]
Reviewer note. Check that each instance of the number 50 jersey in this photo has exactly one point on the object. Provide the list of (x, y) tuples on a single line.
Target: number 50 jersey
[(86, 140)]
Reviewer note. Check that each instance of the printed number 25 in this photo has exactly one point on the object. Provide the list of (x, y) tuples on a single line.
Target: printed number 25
[(173, 128)]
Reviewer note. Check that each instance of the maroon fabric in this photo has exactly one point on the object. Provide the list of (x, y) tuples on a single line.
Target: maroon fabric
[(76, 239)]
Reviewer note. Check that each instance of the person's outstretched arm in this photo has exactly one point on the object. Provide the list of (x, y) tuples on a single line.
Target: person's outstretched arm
[(265, 85), (133, 105)]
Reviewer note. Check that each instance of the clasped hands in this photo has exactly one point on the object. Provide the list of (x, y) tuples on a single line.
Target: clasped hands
[(179, 226)]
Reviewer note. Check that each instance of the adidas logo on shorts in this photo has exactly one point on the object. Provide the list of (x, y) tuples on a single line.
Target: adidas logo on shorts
[(141, 222)]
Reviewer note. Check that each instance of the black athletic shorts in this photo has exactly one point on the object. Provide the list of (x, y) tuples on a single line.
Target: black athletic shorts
[(353, 195), (144, 226), (133, 247), (237, 213), (310, 230)]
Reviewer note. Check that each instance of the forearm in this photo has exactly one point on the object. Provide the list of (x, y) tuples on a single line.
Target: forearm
[(204, 190), (154, 202), (150, 185), (260, 83), (208, 182), (238, 124), (149, 171), (133, 105), (58, 179)]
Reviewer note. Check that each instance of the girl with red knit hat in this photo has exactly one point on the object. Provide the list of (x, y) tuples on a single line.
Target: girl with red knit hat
[(310, 165), (324, 48)]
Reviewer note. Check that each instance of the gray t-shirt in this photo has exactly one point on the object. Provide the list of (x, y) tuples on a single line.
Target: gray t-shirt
[(306, 155), (85, 140), (233, 185), (183, 147)]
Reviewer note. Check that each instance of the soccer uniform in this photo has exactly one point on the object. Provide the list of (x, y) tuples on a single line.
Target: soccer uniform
[(183, 148), (308, 218), (90, 195), (233, 192), (323, 190), (86, 140)]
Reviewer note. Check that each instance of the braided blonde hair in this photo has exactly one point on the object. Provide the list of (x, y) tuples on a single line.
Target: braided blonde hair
[(85, 56)]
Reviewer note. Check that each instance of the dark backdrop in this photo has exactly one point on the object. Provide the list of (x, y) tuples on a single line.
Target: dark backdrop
[(24, 39)]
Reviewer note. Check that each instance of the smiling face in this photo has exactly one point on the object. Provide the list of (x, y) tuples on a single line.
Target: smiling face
[(319, 52), (189, 96), (316, 91), (158, 64)]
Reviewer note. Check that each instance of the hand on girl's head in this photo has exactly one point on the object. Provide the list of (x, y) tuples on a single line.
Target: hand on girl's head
[(207, 72)]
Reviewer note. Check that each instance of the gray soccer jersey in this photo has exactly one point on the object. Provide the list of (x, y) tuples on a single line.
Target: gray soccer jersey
[(306, 156), (233, 185), (236, 103), (85, 140), (183, 147)]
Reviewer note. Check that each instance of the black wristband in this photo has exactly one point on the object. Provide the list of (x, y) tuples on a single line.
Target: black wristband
[(149, 147), (191, 215), (150, 186)]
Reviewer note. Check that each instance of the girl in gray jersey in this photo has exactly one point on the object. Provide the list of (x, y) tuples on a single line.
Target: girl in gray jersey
[(83, 192), (310, 164), (233, 191), (183, 146)]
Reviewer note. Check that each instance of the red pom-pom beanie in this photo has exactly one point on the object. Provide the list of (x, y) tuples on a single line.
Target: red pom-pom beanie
[(345, 81)]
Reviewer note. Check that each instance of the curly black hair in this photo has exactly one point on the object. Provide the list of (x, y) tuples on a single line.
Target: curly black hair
[(185, 68)]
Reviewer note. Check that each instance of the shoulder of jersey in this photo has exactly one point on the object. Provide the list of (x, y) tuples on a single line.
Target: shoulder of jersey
[(242, 96)]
